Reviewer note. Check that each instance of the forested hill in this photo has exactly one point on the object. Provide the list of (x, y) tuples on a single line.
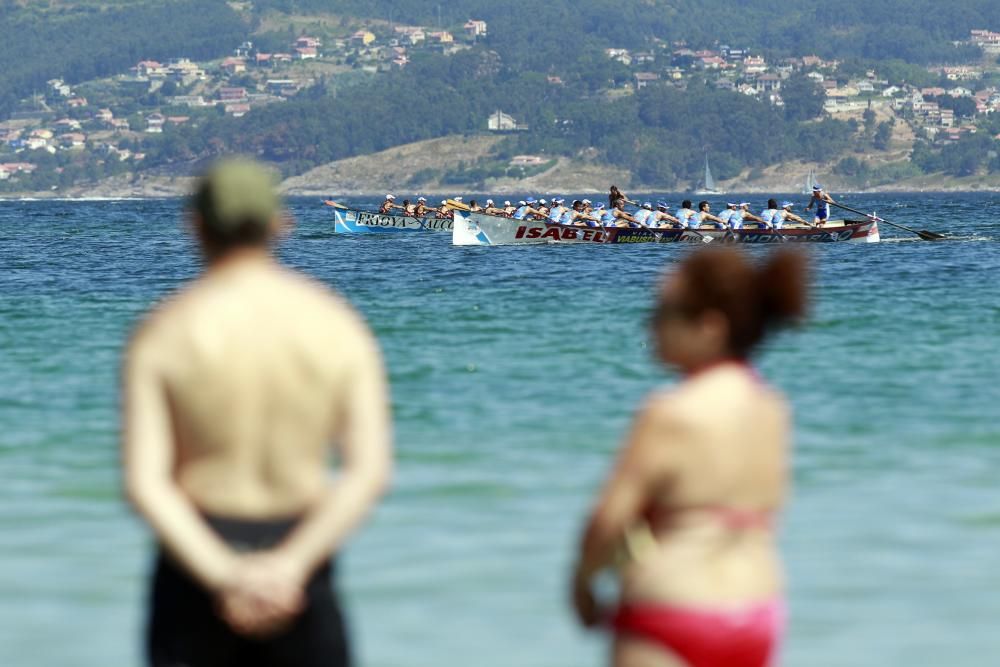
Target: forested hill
[(917, 31), (77, 41)]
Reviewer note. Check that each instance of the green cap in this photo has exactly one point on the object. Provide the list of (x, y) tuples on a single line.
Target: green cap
[(236, 192)]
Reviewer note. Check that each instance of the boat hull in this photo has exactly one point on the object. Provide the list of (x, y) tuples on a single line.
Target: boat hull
[(351, 221), (480, 229)]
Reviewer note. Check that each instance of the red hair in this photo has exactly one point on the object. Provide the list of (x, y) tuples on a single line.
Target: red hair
[(753, 299)]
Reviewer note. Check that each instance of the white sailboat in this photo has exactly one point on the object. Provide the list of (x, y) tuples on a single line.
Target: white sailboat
[(810, 182), (709, 183)]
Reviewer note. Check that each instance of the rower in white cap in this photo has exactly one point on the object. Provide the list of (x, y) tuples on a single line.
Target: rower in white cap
[(388, 204), (822, 201)]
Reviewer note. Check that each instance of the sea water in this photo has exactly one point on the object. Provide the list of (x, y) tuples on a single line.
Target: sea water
[(514, 374)]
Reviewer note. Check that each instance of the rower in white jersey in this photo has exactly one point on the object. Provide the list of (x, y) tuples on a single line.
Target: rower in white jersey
[(785, 215), (526, 209), (571, 215), (687, 216), (731, 210), (557, 210), (641, 216), (743, 215), (661, 217), (767, 215)]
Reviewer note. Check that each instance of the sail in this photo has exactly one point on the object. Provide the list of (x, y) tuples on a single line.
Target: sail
[(810, 182), (709, 181)]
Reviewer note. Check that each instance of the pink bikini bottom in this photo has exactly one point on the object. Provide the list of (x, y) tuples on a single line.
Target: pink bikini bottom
[(742, 637)]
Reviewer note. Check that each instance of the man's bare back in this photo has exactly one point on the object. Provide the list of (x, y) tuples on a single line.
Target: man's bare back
[(258, 365), (237, 392)]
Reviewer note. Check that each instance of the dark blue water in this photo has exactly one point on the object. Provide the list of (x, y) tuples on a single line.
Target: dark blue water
[(515, 371)]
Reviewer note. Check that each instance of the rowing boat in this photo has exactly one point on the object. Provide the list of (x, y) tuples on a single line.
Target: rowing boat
[(480, 229), (354, 221)]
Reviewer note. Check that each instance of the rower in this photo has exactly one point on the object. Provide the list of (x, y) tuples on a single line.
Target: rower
[(786, 215), (557, 210), (822, 201), (743, 214), (661, 217), (767, 215), (474, 206), (622, 217), (642, 215), (445, 211), (388, 204), (686, 215), (571, 214), (542, 210), (508, 208), (732, 210), (607, 216), (421, 208), (408, 208), (704, 216), (491, 209)]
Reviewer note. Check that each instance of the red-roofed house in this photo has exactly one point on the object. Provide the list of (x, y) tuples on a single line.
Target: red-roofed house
[(234, 65), (306, 53)]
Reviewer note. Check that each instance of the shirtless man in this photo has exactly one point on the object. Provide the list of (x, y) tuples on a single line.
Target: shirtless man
[(236, 392)]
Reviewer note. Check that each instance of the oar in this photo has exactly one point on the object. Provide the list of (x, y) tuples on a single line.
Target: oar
[(330, 202), (454, 203), (923, 233)]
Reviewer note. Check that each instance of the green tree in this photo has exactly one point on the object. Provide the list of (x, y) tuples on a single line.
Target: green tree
[(803, 97)]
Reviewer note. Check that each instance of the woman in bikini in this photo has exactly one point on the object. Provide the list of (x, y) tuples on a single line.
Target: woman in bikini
[(687, 513)]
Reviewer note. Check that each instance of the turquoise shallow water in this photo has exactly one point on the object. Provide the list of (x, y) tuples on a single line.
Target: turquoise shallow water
[(514, 372)]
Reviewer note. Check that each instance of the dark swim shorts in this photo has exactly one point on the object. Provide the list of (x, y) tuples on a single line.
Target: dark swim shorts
[(184, 630)]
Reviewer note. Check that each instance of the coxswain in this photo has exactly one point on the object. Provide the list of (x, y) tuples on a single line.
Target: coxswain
[(388, 205), (822, 202)]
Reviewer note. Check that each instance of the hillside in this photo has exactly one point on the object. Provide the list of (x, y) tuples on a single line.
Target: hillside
[(305, 84)]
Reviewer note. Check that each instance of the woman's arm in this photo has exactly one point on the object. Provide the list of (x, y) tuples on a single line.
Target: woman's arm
[(644, 467)]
